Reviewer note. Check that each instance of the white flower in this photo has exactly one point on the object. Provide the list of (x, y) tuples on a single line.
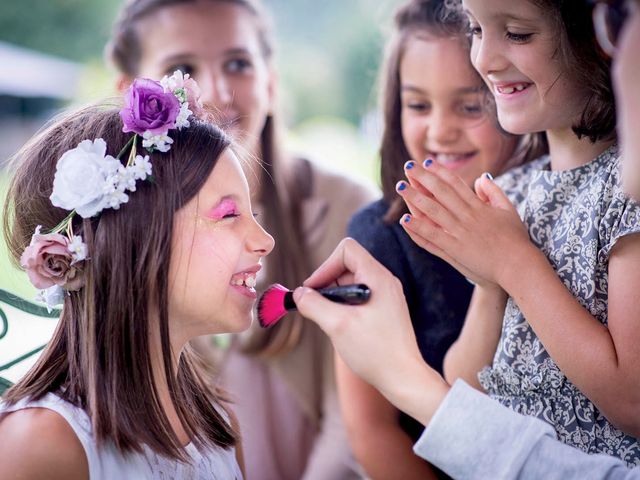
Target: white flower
[(80, 175), (161, 142), (141, 167), (182, 118), (78, 249), (126, 179), (51, 297), (174, 82)]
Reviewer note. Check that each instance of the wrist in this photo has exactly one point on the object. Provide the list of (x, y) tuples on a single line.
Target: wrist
[(418, 391), (528, 258)]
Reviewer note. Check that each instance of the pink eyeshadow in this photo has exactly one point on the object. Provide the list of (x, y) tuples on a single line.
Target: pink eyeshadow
[(224, 208)]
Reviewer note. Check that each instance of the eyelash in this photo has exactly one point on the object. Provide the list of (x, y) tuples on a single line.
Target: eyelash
[(514, 37)]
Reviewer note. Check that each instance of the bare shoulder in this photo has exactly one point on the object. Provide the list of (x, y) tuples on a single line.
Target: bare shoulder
[(39, 443)]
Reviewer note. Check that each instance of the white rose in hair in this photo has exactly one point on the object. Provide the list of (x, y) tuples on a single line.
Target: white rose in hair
[(80, 177)]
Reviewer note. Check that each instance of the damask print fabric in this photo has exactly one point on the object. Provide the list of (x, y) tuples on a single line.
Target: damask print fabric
[(575, 217)]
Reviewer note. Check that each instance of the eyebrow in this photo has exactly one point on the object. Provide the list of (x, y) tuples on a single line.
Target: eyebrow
[(501, 16), (459, 91)]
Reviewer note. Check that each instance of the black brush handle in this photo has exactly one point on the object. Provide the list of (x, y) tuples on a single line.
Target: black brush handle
[(355, 294)]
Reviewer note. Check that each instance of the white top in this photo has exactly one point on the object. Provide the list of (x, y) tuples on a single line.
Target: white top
[(108, 463)]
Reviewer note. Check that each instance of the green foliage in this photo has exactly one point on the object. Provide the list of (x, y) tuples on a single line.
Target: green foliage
[(74, 29)]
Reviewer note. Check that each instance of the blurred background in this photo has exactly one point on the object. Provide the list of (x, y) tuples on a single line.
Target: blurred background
[(328, 57)]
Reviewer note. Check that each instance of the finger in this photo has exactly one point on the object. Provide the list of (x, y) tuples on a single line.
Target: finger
[(349, 262), (410, 165), (434, 177), (434, 209), (495, 196), (435, 250), (315, 307), (477, 186)]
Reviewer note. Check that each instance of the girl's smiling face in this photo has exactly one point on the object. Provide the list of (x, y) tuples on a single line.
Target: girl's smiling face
[(515, 48), (443, 113), (217, 247)]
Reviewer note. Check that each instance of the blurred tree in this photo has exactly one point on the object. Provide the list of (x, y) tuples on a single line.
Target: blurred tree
[(74, 29)]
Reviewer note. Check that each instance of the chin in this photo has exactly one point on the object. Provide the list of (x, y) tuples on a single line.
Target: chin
[(516, 126)]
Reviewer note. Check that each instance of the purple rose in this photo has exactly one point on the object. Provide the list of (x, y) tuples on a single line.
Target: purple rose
[(148, 108)]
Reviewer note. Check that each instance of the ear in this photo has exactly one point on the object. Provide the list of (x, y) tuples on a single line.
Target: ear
[(123, 82)]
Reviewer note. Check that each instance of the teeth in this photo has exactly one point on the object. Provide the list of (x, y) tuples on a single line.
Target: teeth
[(509, 90), (247, 280)]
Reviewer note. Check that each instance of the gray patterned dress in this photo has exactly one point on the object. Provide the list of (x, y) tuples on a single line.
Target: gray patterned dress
[(575, 217)]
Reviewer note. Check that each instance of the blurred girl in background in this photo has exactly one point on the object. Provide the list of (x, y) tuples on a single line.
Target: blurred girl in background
[(282, 379)]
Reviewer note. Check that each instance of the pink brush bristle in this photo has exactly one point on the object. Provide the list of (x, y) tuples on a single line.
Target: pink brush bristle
[(273, 305)]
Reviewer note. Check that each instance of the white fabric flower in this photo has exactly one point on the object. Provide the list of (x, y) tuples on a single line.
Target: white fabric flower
[(141, 167), (80, 176), (78, 249), (126, 179), (52, 297), (160, 142)]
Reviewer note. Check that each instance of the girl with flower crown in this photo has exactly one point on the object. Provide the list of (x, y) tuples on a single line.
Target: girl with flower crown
[(143, 227), (281, 379)]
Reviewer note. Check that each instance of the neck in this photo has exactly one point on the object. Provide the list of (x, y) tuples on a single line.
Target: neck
[(567, 151), (254, 171)]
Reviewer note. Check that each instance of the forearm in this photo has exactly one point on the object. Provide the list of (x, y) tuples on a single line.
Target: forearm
[(385, 453), (472, 436), (379, 444), (582, 347), (479, 337)]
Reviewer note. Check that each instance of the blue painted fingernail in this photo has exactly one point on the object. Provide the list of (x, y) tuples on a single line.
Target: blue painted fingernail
[(488, 175), (428, 162), (406, 218), (401, 185), (409, 165)]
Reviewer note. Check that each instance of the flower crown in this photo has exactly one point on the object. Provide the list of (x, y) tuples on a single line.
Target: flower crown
[(88, 181)]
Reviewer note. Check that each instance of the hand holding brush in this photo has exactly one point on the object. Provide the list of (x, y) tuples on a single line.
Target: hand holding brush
[(277, 300)]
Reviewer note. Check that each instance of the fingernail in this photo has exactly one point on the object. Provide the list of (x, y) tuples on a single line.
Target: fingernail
[(401, 185), (406, 218), (488, 175), (409, 165), (428, 162)]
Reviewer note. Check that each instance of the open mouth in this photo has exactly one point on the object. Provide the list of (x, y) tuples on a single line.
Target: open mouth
[(452, 160), (246, 280), (512, 88)]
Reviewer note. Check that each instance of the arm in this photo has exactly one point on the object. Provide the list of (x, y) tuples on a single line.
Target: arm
[(379, 443), (38, 443), (477, 237), (478, 340), (481, 425), (492, 441)]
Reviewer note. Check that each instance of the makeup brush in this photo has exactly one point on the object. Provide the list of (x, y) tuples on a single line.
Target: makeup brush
[(277, 300)]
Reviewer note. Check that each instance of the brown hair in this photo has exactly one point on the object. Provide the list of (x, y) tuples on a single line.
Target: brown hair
[(99, 357), (590, 68), (435, 18), (279, 195)]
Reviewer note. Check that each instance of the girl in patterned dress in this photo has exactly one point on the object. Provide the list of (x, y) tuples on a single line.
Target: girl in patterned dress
[(551, 245)]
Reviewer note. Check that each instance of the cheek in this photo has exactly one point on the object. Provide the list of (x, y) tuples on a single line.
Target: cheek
[(495, 149), (413, 135)]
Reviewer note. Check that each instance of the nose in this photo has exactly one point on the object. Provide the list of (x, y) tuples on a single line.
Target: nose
[(443, 128), (215, 89), (260, 241), (486, 56)]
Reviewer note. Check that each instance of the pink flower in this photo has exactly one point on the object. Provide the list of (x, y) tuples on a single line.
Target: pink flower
[(48, 262), (148, 108), (193, 95)]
